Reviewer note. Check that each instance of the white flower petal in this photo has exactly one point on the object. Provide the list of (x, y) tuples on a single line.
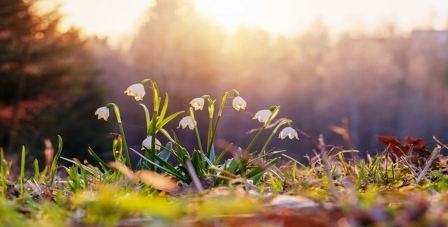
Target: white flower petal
[(136, 90), (262, 115), (187, 121), (197, 103), (239, 103), (288, 132), (103, 113), (148, 141)]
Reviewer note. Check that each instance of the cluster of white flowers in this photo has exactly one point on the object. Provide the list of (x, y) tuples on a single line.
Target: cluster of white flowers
[(137, 91), (238, 103), (263, 116), (198, 103)]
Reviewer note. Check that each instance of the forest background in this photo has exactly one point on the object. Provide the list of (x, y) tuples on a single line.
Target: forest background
[(386, 81)]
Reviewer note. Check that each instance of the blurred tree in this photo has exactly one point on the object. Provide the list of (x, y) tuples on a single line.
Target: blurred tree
[(179, 49), (47, 81)]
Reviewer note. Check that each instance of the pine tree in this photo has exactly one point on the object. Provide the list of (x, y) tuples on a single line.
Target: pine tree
[(47, 80)]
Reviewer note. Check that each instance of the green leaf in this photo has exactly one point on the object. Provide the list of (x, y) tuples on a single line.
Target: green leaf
[(165, 121), (198, 163), (147, 119), (164, 107), (55, 160), (166, 151), (258, 172), (232, 165), (212, 155), (223, 152), (164, 166), (102, 163)]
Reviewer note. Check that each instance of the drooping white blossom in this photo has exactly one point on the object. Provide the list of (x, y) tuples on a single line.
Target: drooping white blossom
[(136, 90), (102, 113), (197, 103), (288, 132), (239, 103), (187, 121), (262, 115)]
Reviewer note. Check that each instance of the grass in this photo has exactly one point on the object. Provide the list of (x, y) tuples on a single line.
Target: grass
[(258, 186)]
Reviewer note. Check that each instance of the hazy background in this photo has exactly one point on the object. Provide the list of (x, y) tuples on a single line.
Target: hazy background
[(381, 65)]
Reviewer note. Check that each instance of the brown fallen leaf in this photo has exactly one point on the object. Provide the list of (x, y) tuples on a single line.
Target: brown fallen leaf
[(124, 170), (414, 148), (148, 177), (157, 181)]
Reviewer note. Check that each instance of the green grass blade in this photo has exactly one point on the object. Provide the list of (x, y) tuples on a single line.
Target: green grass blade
[(147, 119), (167, 169), (165, 121), (164, 107), (55, 160), (22, 171), (102, 163), (36, 169)]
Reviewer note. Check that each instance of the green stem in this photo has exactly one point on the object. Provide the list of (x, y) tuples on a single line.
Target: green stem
[(3, 172), (252, 142), (263, 149), (198, 137), (274, 112), (215, 127), (152, 153), (22, 171), (211, 129), (121, 129)]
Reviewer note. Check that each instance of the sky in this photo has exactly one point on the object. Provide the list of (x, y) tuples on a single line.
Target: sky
[(117, 19)]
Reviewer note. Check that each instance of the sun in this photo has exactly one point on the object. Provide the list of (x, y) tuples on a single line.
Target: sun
[(285, 17), (117, 18), (229, 13)]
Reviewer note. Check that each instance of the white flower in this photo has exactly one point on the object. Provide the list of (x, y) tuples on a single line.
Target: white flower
[(187, 121), (288, 132), (262, 115), (136, 90), (148, 141), (102, 112), (197, 103), (239, 103)]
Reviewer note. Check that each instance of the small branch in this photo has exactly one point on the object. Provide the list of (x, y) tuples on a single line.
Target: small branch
[(194, 176), (323, 153), (310, 138), (439, 142), (434, 155)]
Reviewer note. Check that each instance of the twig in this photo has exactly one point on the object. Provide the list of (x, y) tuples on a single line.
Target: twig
[(194, 176), (323, 152), (434, 155), (308, 137), (439, 142)]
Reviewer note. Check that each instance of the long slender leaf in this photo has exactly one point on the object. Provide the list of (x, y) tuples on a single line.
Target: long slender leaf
[(223, 152), (147, 119), (164, 107), (172, 169), (212, 155), (166, 151), (259, 170), (102, 163), (165, 121), (168, 170)]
